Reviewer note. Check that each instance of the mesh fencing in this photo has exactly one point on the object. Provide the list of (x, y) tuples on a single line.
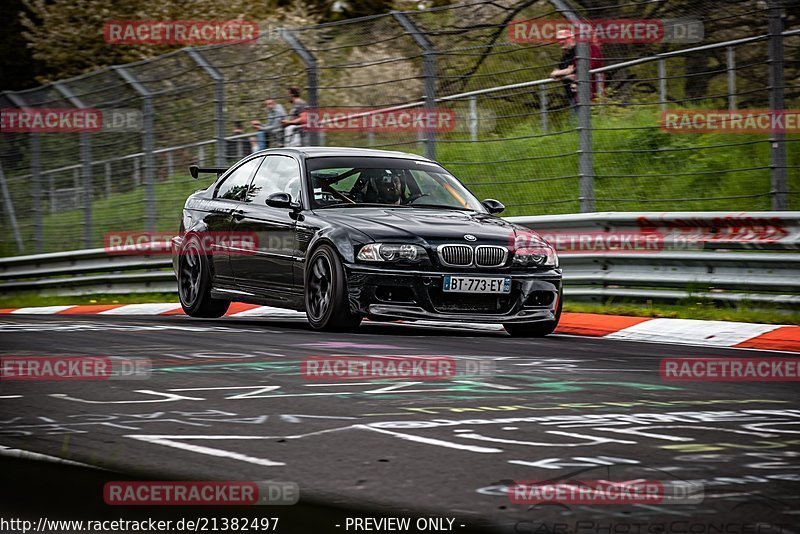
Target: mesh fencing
[(517, 136)]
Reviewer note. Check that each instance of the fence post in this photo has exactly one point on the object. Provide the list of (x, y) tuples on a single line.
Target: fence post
[(731, 66), (543, 106), (147, 145), (36, 179), (311, 76), (662, 84), (171, 165), (219, 101), (86, 164), (473, 119), (776, 103), (12, 217), (585, 156), (108, 178), (428, 73), (201, 155)]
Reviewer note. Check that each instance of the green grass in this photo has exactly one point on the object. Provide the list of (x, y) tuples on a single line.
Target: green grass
[(687, 310)]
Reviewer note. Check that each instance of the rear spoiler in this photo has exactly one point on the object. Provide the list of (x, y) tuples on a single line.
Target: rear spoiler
[(196, 170)]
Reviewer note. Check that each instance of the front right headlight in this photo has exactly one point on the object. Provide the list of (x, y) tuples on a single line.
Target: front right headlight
[(535, 256)]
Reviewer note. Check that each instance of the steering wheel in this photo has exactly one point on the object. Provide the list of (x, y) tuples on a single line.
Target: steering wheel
[(412, 198)]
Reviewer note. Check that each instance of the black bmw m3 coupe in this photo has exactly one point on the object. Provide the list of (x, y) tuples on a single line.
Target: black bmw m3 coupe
[(348, 233)]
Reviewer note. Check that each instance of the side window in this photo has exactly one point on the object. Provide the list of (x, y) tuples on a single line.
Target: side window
[(235, 185), (278, 174)]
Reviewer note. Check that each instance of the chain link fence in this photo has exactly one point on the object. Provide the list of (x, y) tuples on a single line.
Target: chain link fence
[(518, 136)]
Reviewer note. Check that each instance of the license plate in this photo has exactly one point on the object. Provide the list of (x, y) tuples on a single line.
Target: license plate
[(476, 284)]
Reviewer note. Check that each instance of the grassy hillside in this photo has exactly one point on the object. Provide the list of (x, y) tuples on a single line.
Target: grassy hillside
[(638, 167)]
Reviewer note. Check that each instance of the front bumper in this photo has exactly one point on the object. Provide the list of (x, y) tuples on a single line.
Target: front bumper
[(382, 293)]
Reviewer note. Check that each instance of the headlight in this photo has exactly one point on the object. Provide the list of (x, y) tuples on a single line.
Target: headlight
[(536, 256), (389, 252)]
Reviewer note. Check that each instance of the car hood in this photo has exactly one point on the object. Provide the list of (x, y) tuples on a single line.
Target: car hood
[(433, 226)]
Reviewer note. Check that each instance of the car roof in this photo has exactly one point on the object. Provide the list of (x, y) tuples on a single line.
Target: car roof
[(325, 151)]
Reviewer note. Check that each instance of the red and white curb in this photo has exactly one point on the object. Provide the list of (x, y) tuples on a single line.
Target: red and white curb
[(677, 331)]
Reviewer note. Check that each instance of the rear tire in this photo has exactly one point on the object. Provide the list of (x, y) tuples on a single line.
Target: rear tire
[(537, 329), (194, 283), (326, 296)]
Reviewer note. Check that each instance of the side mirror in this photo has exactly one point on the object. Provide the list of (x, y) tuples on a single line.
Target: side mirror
[(282, 201), (494, 206)]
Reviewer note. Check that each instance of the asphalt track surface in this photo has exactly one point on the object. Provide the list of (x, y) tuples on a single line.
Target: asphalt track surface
[(227, 401)]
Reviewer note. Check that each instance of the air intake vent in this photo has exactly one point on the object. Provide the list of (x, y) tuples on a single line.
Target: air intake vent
[(455, 255), (490, 256)]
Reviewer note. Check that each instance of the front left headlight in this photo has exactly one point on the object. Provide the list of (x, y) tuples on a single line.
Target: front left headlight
[(391, 252), (535, 256)]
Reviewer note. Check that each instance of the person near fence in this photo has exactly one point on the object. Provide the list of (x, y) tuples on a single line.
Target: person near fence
[(295, 132), (270, 134), (567, 70), (237, 148)]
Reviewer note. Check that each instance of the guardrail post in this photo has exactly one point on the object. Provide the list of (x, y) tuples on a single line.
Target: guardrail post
[(314, 139), (776, 103), (147, 145), (36, 178), (219, 101), (428, 73), (201, 155), (86, 164), (585, 156), (730, 57)]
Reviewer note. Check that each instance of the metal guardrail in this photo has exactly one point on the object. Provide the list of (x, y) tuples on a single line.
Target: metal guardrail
[(719, 256)]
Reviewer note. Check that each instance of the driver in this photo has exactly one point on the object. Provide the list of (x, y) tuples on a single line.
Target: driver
[(388, 187)]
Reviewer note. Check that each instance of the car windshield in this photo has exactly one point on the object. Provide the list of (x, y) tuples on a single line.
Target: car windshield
[(368, 181)]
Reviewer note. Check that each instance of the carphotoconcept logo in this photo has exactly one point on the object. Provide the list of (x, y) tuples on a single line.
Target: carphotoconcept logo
[(182, 32), (201, 493), (604, 31), (727, 121), (393, 367), (73, 368), (730, 369), (380, 120)]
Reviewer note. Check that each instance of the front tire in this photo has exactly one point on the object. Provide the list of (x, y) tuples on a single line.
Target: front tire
[(194, 283), (327, 305), (537, 329)]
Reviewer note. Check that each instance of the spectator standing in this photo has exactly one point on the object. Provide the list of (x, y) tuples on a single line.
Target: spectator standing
[(295, 124), (567, 70), (270, 134)]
